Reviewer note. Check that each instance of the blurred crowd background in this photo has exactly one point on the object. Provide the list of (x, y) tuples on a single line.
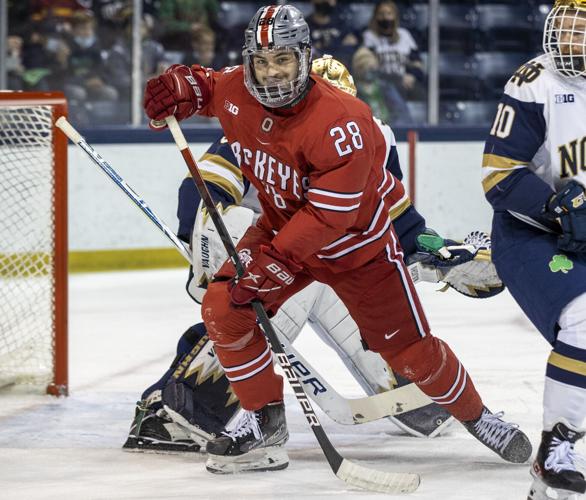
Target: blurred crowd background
[(84, 48)]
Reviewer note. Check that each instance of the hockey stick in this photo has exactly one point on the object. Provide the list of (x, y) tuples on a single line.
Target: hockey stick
[(351, 473), (338, 408), (76, 138), (350, 411)]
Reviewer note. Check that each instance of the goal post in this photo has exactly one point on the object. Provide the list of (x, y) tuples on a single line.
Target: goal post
[(33, 242)]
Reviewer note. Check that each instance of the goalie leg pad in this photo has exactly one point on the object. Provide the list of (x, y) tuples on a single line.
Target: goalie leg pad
[(153, 430), (186, 343), (198, 389), (189, 404)]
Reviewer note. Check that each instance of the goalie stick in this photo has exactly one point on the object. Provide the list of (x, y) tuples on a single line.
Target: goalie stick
[(349, 472), (346, 411)]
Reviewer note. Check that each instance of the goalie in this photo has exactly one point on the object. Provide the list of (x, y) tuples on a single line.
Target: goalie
[(192, 401)]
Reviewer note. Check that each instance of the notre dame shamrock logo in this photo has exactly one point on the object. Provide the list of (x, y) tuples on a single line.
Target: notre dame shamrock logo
[(560, 263)]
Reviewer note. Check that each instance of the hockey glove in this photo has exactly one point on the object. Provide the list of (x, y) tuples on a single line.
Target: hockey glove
[(265, 278), (440, 252), (178, 91), (474, 277), (568, 207)]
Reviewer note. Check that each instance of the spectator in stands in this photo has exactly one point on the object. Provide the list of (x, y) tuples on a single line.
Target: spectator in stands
[(396, 50), (56, 15), (36, 57), (119, 58), (87, 68), (330, 33), (203, 48), (111, 19), (14, 63), (379, 93), (180, 17)]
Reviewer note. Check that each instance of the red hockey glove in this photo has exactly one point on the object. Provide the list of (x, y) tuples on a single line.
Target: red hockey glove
[(264, 278), (178, 91)]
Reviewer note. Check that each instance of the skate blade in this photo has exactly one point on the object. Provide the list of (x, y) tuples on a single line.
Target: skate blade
[(261, 459), (541, 491), (142, 445)]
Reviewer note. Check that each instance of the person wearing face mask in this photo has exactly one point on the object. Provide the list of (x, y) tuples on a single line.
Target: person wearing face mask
[(396, 51), (380, 94), (330, 32), (86, 63)]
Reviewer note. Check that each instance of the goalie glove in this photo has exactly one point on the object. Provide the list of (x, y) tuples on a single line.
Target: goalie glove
[(568, 207), (208, 250), (466, 267)]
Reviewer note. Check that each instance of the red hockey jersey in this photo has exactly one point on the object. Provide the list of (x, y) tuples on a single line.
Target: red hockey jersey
[(319, 168)]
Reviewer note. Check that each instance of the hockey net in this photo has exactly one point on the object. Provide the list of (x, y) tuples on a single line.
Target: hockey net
[(33, 242)]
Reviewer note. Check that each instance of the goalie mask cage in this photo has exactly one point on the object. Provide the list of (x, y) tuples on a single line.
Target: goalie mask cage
[(33, 242)]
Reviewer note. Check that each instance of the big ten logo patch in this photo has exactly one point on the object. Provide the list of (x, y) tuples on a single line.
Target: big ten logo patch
[(564, 98), (231, 108)]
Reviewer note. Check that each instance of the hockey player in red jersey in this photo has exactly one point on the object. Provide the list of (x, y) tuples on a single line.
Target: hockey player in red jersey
[(317, 159)]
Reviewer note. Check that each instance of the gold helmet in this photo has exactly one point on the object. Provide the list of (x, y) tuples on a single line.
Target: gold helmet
[(564, 37), (570, 3), (334, 72)]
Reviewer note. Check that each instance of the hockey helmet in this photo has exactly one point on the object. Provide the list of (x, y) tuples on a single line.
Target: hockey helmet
[(334, 72), (275, 28), (564, 37)]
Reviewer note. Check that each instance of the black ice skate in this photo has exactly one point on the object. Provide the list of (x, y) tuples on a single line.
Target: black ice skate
[(554, 467), (256, 443), (503, 438), (153, 430)]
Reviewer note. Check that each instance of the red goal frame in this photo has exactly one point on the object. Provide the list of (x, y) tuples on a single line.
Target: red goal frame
[(58, 104)]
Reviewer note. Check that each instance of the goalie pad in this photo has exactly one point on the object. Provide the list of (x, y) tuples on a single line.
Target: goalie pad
[(208, 250), (197, 394), (465, 267)]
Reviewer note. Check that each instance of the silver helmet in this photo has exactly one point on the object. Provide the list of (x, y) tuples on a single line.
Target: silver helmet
[(564, 37), (277, 28)]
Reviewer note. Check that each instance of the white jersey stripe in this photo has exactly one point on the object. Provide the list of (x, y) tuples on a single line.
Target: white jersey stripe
[(334, 194), (252, 373), (247, 365), (335, 208), (405, 278), (358, 245)]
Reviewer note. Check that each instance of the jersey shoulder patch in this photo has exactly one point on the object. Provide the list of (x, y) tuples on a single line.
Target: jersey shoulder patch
[(529, 82), (527, 73)]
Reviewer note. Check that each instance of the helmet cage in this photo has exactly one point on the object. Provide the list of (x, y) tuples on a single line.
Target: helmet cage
[(277, 28), (282, 94), (565, 30)]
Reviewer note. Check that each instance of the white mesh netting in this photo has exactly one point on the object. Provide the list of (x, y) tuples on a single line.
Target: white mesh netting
[(26, 245)]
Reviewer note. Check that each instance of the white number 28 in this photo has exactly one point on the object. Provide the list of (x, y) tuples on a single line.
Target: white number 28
[(342, 143)]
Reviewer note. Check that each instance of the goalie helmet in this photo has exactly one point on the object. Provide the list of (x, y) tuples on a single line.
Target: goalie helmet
[(334, 72), (276, 28), (564, 37)]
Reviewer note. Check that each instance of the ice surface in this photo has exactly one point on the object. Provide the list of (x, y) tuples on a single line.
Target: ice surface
[(123, 332)]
